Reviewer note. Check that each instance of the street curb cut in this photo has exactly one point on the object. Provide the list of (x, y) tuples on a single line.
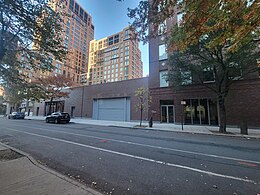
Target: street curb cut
[(53, 172)]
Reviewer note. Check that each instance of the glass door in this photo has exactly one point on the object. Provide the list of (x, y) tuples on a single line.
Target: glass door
[(170, 114), (164, 114), (167, 114)]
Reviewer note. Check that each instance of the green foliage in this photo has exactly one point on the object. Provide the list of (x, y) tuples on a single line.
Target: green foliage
[(144, 98), (220, 36), (225, 68), (18, 92), (30, 36), (235, 21), (144, 101), (47, 88)]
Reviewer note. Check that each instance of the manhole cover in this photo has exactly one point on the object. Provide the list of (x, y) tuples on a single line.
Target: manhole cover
[(9, 154)]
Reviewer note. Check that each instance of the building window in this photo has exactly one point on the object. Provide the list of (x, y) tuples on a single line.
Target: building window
[(76, 8), (201, 111), (126, 70), (235, 72), (186, 78), (81, 13), (127, 36), (208, 75), (162, 28), (110, 41), (71, 4), (163, 52), (163, 79), (85, 16), (179, 18), (116, 38)]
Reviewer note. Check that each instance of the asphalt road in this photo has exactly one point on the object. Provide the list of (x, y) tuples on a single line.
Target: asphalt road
[(132, 161)]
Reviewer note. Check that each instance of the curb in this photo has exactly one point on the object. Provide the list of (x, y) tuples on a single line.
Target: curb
[(53, 172), (165, 130), (190, 132)]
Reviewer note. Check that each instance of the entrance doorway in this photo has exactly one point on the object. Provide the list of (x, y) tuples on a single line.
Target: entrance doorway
[(37, 111), (72, 111), (167, 113)]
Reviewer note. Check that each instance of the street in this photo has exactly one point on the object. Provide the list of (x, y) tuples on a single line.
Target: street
[(120, 161)]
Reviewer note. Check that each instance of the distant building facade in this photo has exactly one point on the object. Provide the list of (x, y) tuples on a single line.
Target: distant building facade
[(114, 58), (108, 101), (78, 31)]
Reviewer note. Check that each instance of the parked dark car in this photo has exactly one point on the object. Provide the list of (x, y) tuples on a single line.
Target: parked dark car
[(58, 117), (16, 115)]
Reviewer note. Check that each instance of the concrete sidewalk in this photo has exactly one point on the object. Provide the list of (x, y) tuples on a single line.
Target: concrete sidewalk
[(21, 174), (253, 133)]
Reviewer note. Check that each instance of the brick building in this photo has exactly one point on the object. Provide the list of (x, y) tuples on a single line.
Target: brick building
[(107, 101), (201, 104), (78, 31)]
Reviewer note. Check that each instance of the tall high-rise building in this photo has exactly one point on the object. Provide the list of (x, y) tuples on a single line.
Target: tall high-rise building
[(78, 31), (114, 58)]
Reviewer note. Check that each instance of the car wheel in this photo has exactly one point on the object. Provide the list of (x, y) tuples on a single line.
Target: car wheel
[(67, 121), (56, 121), (47, 120)]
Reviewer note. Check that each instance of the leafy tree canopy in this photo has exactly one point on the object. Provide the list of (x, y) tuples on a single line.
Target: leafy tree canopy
[(214, 40), (15, 93), (54, 86), (237, 22), (29, 35)]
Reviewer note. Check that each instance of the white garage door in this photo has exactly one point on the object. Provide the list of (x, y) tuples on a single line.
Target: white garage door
[(116, 109)]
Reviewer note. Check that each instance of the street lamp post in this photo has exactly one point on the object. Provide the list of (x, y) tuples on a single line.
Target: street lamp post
[(183, 103)]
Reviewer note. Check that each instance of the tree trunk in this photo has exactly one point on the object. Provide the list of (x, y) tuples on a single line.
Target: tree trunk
[(141, 117), (16, 107), (50, 106), (222, 114), (27, 107)]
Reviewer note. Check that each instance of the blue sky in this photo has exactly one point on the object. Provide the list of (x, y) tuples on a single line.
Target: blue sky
[(110, 17)]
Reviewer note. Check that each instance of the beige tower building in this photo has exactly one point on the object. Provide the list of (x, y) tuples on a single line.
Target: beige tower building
[(114, 58)]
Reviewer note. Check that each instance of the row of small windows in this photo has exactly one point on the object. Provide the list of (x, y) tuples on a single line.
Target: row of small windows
[(187, 78), (73, 6), (162, 28)]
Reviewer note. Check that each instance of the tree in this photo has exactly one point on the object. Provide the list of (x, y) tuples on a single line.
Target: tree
[(30, 29), (17, 92), (54, 87), (220, 39), (2, 106), (144, 101)]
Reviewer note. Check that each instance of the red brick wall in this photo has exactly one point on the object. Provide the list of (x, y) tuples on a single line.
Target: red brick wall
[(107, 90), (243, 101)]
